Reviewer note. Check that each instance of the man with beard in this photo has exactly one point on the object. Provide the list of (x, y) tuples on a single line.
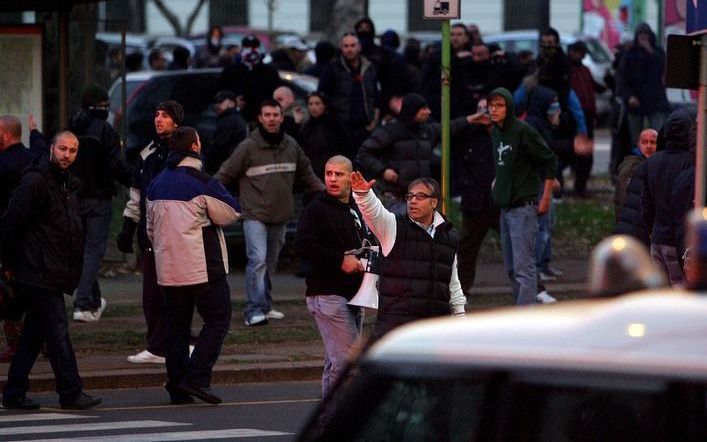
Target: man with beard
[(42, 254), (250, 79), (265, 166)]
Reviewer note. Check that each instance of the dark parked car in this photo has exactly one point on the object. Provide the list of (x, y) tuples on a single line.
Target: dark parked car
[(194, 90), (632, 368)]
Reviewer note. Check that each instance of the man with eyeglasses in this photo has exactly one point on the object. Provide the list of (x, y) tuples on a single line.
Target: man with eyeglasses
[(521, 157), (418, 272)]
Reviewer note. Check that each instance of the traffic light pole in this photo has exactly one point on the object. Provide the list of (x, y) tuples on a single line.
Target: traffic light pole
[(701, 151), (446, 57)]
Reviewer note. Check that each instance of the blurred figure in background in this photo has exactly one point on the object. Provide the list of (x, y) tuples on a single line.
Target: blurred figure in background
[(324, 52), (156, 60), (181, 59), (230, 130), (210, 55), (323, 136)]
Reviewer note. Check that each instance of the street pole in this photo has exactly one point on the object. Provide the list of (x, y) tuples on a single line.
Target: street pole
[(446, 56), (701, 129)]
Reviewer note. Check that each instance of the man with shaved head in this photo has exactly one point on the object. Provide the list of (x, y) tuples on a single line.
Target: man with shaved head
[(42, 255), (328, 227), (14, 157), (293, 112)]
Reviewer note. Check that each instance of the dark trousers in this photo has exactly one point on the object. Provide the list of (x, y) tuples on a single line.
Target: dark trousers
[(213, 302), (45, 321), (473, 231), (153, 307)]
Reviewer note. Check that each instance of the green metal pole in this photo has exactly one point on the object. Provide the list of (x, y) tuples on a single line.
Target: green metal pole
[(446, 57)]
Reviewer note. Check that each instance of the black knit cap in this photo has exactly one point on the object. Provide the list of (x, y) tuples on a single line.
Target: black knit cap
[(411, 104), (92, 95), (173, 109)]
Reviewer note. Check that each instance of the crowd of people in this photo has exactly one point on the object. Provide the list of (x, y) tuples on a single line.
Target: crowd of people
[(362, 151)]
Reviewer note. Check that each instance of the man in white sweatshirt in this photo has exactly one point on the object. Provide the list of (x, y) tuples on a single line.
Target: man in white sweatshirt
[(418, 271)]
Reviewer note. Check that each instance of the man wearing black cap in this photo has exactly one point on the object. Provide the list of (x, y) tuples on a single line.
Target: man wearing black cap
[(400, 152), (98, 165), (168, 116), (230, 130), (250, 78)]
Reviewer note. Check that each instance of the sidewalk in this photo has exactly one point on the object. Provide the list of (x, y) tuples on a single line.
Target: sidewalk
[(292, 358)]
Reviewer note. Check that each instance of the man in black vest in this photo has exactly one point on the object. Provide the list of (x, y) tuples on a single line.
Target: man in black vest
[(418, 274)]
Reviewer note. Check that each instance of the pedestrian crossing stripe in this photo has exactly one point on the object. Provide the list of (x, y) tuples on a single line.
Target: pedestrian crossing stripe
[(41, 417), (44, 429), (174, 436)]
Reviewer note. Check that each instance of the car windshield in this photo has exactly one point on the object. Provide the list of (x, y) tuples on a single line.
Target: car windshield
[(500, 406)]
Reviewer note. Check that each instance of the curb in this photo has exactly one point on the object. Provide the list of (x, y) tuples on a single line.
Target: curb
[(225, 374)]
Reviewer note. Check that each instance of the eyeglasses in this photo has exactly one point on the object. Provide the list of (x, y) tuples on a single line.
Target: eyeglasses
[(418, 196)]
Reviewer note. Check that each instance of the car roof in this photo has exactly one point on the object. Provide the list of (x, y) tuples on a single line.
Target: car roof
[(657, 333)]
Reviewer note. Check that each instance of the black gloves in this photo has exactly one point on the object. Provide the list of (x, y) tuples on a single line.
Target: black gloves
[(125, 237)]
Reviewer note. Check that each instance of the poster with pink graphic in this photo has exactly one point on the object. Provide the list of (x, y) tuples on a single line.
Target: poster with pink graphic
[(606, 20)]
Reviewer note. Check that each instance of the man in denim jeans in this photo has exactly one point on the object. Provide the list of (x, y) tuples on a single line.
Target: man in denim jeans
[(265, 166), (521, 156), (328, 227)]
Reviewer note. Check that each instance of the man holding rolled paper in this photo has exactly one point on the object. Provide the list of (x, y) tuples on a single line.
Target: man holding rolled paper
[(329, 227), (418, 271)]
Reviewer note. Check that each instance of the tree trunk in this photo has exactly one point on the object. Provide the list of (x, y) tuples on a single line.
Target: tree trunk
[(192, 17), (344, 15)]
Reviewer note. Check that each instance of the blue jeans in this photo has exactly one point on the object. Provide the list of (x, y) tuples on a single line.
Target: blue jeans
[(339, 325), (45, 321), (213, 302), (519, 231), (263, 243), (543, 244), (96, 215)]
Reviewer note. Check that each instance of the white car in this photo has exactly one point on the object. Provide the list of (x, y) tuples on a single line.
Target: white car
[(632, 368)]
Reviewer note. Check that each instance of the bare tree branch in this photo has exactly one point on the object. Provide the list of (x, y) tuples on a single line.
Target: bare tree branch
[(170, 16), (192, 16)]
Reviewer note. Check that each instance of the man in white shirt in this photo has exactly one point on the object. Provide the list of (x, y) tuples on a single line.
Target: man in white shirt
[(418, 271)]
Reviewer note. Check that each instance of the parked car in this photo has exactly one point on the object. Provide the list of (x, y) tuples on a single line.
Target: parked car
[(632, 368), (194, 90), (598, 58)]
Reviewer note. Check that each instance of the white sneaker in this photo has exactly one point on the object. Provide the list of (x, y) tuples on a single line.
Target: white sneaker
[(191, 350), (547, 277), (84, 316), (257, 319), (99, 311), (145, 357), (544, 298), (274, 314)]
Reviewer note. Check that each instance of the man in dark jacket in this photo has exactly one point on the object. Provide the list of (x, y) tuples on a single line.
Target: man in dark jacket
[(14, 158), (42, 254), (230, 130), (418, 272), (521, 156), (250, 79), (168, 116), (97, 165), (643, 89), (400, 152), (351, 83), (328, 227), (659, 173), (265, 166), (472, 160)]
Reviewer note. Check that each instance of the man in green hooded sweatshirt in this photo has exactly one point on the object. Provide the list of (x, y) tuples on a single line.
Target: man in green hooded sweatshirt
[(522, 157)]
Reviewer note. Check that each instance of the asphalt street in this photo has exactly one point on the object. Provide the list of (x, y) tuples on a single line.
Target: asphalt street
[(263, 411)]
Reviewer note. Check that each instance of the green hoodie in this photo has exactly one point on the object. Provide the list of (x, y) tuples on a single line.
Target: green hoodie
[(521, 156)]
